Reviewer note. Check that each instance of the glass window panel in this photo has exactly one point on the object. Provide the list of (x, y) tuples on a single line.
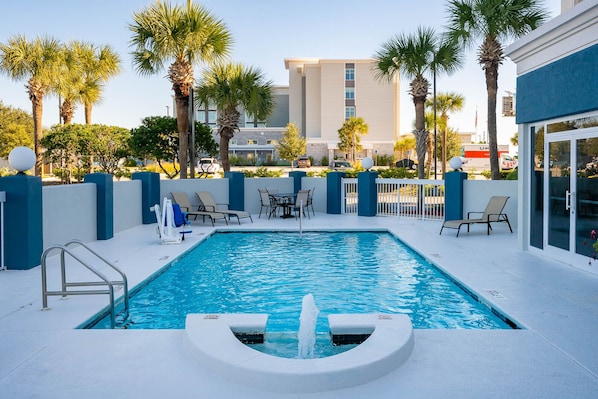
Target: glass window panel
[(537, 187), (349, 112), (350, 74), (349, 93), (586, 196)]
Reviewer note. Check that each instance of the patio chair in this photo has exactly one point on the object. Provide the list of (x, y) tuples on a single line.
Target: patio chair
[(267, 202), (208, 204), (492, 214), (310, 200), (301, 203), (181, 198)]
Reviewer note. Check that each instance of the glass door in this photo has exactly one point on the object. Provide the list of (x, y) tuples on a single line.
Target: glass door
[(571, 222), (560, 208), (586, 197)]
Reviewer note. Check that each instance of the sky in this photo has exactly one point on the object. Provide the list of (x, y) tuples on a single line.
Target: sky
[(265, 32)]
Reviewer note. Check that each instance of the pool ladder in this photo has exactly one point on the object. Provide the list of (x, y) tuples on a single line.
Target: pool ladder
[(109, 290)]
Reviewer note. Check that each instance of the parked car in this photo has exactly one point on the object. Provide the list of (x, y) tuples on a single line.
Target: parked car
[(507, 162), (406, 163), (209, 165), (303, 162), (339, 165)]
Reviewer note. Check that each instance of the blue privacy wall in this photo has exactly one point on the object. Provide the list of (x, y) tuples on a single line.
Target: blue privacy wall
[(566, 87), (150, 194), (453, 195), (23, 240), (236, 190), (334, 192), (367, 202), (105, 203)]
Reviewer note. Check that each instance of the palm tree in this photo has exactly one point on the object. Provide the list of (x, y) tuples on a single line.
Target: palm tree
[(184, 35), (39, 62), (416, 56), (97, 65), (350, 136), (68, 84), (229, 87), (446, 103), (492, 21)]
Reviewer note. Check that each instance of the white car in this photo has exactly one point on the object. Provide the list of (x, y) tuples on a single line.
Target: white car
[(209, 165)]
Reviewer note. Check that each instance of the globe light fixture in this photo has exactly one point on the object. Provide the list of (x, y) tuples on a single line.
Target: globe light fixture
[(367, 163), (21, 159), (456, 163)]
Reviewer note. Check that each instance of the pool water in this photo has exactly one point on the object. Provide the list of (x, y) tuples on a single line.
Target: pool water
[(270, 272)]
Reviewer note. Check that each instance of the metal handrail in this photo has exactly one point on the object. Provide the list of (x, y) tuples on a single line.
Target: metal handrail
[(65, 291), (124, 282)]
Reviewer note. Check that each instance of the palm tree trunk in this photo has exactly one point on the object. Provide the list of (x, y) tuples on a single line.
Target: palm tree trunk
[(492, 89), (421, 135), (224, 140), (182, 116), (37, 111), (87, 107)]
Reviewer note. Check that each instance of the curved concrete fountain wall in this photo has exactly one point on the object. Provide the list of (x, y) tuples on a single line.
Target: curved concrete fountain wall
[(214, 344)]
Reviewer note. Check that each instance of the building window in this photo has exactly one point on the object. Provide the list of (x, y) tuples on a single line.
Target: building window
[(271, 142), (233, 141), (212, 117), (349, 112), (349, 73), (251, 142), (349, 93), (250, 122)]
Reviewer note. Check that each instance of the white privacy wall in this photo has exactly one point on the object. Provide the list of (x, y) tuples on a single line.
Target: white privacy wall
[(69, 211)]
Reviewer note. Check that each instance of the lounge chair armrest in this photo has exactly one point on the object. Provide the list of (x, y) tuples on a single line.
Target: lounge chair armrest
[(207, 208), (470, 213)]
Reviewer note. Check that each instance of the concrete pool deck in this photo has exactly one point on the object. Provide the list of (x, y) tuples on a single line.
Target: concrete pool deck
[(554, 356)]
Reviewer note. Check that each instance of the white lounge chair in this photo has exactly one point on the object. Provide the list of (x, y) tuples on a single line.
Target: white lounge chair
[(181, 198), (207, 203), (492, 214)]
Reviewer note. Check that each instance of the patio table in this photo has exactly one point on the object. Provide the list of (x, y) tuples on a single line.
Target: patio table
[(286, 201)]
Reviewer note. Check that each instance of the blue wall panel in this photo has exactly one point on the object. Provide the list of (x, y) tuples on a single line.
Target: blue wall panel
[(566, 87)]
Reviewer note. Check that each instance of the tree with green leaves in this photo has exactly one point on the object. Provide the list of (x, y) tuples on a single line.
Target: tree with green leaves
[(292, 144), (39, 62), (157, 138), (184, 36), (16, 129), (108, 145), (445, 103), (349, 136), (232, 87), (418, 56), (66, 145), (492, 22)]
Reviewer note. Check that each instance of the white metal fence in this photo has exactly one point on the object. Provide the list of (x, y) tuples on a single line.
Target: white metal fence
[(422, 199)]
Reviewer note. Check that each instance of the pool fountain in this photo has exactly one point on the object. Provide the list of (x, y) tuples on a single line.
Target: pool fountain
[(307, 327), (214, 341)]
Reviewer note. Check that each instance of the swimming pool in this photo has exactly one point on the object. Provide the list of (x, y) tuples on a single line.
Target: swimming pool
[(270, 272)]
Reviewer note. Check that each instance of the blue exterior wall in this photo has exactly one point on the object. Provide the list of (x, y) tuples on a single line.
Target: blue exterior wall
[(565, 87)]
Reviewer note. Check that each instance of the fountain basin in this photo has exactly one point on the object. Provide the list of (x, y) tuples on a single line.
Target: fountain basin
[(213, 342)]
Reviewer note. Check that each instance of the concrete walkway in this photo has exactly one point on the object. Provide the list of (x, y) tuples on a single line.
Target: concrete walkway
[(42, 355)]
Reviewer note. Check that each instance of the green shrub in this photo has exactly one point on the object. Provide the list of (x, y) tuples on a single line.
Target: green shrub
[(130, 163), (487, 174), (397, 173), (261, 172), (325, 161)]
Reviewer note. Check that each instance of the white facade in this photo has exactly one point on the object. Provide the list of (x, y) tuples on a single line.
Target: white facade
[(324, 93), (557, 114)]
